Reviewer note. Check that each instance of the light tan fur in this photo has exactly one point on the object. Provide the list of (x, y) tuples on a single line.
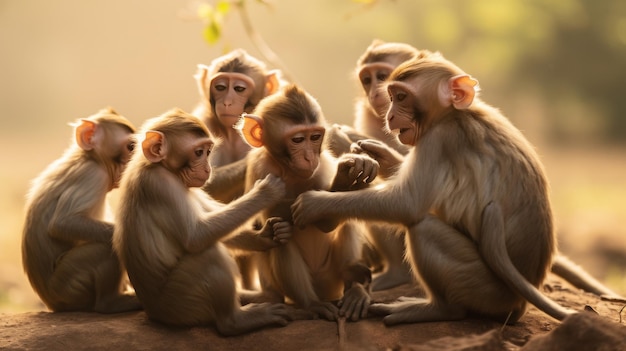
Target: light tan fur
[(67, 237), (320, 264)]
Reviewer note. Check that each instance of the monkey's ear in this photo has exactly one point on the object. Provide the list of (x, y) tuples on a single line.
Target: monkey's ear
[(154, 146), (200, 77), (272, 82), (461, 90), (87, 134), (251, 129)]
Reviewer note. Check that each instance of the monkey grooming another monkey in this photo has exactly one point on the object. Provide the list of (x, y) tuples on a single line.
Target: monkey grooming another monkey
[(472, 193), (169, 231), (67, 240)]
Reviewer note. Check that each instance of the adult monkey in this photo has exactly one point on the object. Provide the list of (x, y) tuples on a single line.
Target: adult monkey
[(321, 262), (472, 193), (67, 237), (169, 232), (231, 85), (373, 68)]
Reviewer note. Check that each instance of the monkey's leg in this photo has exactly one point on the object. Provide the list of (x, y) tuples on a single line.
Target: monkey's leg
[(88, 277), (456, 278), (354, 277), (287, 272), (389, 242)]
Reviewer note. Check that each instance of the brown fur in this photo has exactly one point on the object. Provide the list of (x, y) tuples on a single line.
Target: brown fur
[(169, 237), (317, 266), (473, 195)]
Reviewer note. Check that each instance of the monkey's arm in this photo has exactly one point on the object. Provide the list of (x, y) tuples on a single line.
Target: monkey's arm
[(274, 233), (215, 225), (227, 181), (339, 138), (72, 220)]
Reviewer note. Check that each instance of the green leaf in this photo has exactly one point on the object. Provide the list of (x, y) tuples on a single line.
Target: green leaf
[(222, 7), (212, 32)]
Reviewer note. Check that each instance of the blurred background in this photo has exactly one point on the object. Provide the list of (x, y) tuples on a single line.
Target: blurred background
[(556, 68)]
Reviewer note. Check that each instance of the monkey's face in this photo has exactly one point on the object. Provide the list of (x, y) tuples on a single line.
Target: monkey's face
[(230, 93), (195, 170), (117, 151), (304, 146), (372, 76), (405, 112)]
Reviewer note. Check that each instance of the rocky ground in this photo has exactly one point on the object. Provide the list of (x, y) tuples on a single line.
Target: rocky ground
[(601, 325)]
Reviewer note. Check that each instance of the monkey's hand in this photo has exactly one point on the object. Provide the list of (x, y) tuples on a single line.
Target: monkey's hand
[(309, 208), (270, 187), (354, 172), (355, 302), (276, 232), (325, 310), (388, 158)]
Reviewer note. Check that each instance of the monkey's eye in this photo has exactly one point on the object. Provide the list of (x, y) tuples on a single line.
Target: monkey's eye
[(366, 81), (381, 77), (297, 140), (240, 89), (400, 96), (199, 152), (131, 146), (220, 87), (316, 137)]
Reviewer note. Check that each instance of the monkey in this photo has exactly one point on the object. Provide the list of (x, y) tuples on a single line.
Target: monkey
[(321, 263), (231, 85), (67, 238), (169, 232), (472, 193), (372, 69)]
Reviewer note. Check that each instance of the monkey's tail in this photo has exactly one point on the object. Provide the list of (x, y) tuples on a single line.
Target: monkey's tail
[(578, 277), (495, 254)]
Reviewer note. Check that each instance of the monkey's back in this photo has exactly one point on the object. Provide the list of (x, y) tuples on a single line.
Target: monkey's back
[(493, 162)]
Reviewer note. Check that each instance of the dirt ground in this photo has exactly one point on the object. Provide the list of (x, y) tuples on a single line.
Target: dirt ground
[(602, 327)]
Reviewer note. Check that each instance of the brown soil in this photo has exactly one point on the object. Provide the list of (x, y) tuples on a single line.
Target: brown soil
[(599, 328)]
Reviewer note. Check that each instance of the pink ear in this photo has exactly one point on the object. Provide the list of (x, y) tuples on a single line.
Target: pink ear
[(463, 89), (251, 129), (86, 134), (154, 146)]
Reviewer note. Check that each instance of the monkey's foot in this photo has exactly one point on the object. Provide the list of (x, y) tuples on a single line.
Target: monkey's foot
[(391, 278), (118, 304), (414, 310)]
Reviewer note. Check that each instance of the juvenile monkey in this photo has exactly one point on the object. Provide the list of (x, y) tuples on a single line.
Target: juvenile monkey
[(321, 262), (169, 231), (231, 85), (66, 243), (472, 194)]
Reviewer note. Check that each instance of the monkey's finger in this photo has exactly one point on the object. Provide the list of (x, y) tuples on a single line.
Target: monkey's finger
[(370, 171), (356, 149)]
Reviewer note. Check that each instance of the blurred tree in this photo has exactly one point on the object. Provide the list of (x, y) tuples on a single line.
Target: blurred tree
[(571, 52)]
